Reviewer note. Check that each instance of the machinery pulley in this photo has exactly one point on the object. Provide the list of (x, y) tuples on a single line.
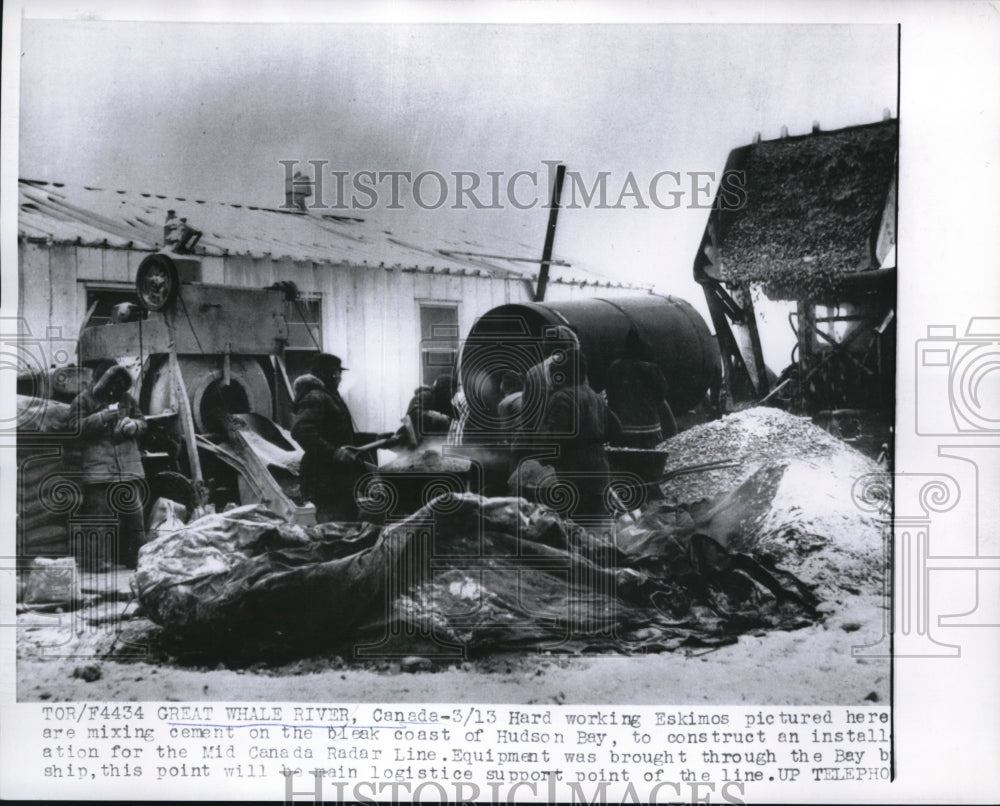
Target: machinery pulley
[(157, 282)]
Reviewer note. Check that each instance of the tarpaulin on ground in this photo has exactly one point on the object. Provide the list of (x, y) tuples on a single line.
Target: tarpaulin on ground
[(464, 572)]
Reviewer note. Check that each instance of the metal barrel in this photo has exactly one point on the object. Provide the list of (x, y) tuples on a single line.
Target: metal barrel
[(509, 338)]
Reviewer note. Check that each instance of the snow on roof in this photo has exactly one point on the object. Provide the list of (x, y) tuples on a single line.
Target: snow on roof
[(90, 216)]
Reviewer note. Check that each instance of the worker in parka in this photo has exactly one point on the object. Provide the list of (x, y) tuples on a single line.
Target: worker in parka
[(323, 426), (430, 410), (511, 400), (556, 342), (107, 421), (578, 423), (637, 393)]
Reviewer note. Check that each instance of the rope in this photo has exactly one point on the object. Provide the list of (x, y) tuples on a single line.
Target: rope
[(191, 324)]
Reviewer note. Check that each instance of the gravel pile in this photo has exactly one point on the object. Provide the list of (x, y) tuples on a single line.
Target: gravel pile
[(753, 438), (792, 500)]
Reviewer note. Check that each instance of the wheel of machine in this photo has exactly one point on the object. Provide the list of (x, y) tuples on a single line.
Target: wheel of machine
[(157, 282)]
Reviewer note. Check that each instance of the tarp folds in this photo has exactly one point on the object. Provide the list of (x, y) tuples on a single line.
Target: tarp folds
[(463, 573)]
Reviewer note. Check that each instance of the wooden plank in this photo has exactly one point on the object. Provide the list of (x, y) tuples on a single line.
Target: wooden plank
[(115, 268), (423, 286), (34, 281), (339, 306), (248, 272), (409, 323), (317, 274), (213, 270), (355, 352), (259, 272), (233, 269), (376, 311), (89, 263), (283, 269), (303, 276), (384, 389), (63, 325), (134, 258), (405, 370)]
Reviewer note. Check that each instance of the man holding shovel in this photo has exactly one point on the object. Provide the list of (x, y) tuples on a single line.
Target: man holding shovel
[(324, 428)]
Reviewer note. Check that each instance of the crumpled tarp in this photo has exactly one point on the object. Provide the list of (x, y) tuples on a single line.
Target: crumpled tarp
[(465, 573)]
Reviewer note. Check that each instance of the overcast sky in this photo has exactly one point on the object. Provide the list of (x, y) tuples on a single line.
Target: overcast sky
[(208, 110)]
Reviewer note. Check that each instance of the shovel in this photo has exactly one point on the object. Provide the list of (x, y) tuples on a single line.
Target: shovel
[(406, 436), (683, 471)]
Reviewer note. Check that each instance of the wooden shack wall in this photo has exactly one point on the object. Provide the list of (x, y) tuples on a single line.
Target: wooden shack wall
[(371, 316)]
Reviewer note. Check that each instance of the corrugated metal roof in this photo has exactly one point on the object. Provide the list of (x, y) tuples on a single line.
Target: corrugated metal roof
[(90, 216)]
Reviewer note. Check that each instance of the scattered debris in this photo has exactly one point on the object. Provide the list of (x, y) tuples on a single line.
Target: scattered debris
[(52, 582), (88, 673), (415, 663)]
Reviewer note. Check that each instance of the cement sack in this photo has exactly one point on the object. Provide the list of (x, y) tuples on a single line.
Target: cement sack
[(52, 582)]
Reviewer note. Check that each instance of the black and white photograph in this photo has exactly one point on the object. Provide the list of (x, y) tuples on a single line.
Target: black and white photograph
[(515, 365)]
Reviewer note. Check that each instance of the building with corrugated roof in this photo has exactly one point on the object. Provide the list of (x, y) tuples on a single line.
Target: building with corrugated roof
[(371, 294)]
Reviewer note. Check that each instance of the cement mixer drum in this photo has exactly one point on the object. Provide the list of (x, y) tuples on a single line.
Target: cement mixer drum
[(509, 338)]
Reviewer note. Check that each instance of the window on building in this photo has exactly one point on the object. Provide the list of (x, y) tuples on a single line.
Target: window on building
[(438, 340), (103, 299), (305, 332)]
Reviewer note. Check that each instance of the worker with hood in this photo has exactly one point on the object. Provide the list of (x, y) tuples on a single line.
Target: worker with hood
[(430, 409), (511, 399), (637, 393), (578, 423), (108, 422), (556, 341), (323, 426)]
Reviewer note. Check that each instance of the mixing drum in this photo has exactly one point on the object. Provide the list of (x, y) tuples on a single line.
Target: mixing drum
[(509, 338)]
